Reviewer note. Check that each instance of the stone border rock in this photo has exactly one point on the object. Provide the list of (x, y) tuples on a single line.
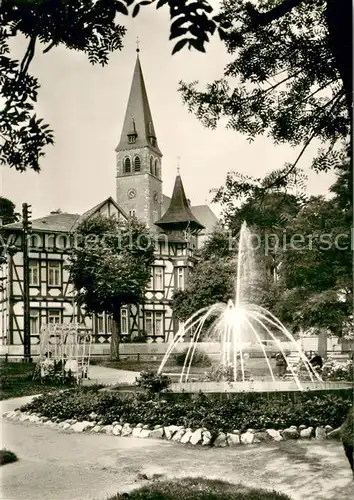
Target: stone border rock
[(179, 434)]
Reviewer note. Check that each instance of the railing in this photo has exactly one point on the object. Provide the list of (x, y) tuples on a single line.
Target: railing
[(159, 355)]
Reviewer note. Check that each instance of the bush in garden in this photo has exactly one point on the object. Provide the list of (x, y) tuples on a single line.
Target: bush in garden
[(7, 457), (153, 383), (334, 370), (198, 489), (199, 358), (241, 411)]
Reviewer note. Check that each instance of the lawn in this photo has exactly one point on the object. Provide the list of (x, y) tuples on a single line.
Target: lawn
[(16, 380), (198, 489)]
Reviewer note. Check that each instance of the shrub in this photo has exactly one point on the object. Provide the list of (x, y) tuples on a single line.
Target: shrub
[(198, 489), (200, 358), (153, 383), (334, 370), (7, 457), (242, 411)]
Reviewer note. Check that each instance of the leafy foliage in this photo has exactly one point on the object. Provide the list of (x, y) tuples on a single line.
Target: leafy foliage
[(211, 281), (284, 80), (7, 456), (241, 411), (110, 266), (8, 215), (316, 270), (288, 65), (200, 358), (334, 370), (152, 383), (88, 26), (198, 489), (302, 247)]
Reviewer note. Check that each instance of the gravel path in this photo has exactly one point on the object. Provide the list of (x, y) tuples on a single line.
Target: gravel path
[(56, 465)]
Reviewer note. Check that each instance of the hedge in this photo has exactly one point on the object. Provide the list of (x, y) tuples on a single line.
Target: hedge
[(236, 413)]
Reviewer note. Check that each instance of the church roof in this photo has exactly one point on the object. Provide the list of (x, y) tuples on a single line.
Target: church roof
[(179, 213), (138, 117)]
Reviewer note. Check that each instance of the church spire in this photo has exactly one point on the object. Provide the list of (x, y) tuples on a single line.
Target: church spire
[(138, 128), (179, 215)]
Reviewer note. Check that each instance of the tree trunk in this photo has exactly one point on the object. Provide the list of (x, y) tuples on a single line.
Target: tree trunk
[(339, 21), (116, 334), (322, 344)]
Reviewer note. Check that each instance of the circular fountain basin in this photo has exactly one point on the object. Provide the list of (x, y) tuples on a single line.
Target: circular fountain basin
[(258, 386)]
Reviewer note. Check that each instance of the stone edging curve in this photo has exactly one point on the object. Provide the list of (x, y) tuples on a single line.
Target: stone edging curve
[(179, 434)]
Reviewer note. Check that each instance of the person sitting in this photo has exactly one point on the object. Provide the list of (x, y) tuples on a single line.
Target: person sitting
[(316, 361), (281, 364)]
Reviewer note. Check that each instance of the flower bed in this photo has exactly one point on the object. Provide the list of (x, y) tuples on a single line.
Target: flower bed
[(199, 421), (236, 413)]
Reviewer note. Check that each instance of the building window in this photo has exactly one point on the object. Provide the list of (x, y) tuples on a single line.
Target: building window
[(109, 324), (54, 316), (151, 165), (158, 278), (54, 273), (180, 278), (34, 271), (154, 216), (131, 138), (34, 322), (99, 323), (137, 164), (150, 285), (158, 323), (127, 165), (148, 323), (156, 168), (132, 212), (124, 317)]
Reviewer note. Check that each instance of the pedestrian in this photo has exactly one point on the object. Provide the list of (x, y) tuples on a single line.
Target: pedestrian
[(316, 361), (347, 435), (281, 364)]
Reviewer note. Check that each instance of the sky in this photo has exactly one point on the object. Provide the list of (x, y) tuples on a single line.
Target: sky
[(85, 106)]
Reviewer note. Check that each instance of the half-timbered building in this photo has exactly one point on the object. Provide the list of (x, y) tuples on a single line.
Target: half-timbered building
[(180, 230)]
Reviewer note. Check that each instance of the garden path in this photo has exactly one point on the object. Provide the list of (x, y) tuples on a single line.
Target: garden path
[(110, 376), (56, 465)]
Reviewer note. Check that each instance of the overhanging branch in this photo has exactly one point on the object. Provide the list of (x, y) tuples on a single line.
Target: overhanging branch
[(263, 18)]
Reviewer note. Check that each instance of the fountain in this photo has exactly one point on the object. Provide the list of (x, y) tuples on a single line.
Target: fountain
[(238, 327)]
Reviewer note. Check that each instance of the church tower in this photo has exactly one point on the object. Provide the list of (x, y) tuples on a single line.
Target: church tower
[(139, 184)]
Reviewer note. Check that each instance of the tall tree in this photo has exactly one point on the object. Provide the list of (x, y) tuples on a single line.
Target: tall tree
[(110, 267), (283, 39), (316, 269), (287, 79), (8, 215)]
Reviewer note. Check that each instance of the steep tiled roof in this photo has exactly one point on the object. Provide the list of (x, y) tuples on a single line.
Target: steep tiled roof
[(205, 215), (202, 213), (179, 212), (97, 207), (138, 116)]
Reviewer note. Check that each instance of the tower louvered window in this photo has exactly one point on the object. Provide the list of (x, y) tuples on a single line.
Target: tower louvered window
[(137, 164), (151, 165), (127, 165), (156, 168)]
